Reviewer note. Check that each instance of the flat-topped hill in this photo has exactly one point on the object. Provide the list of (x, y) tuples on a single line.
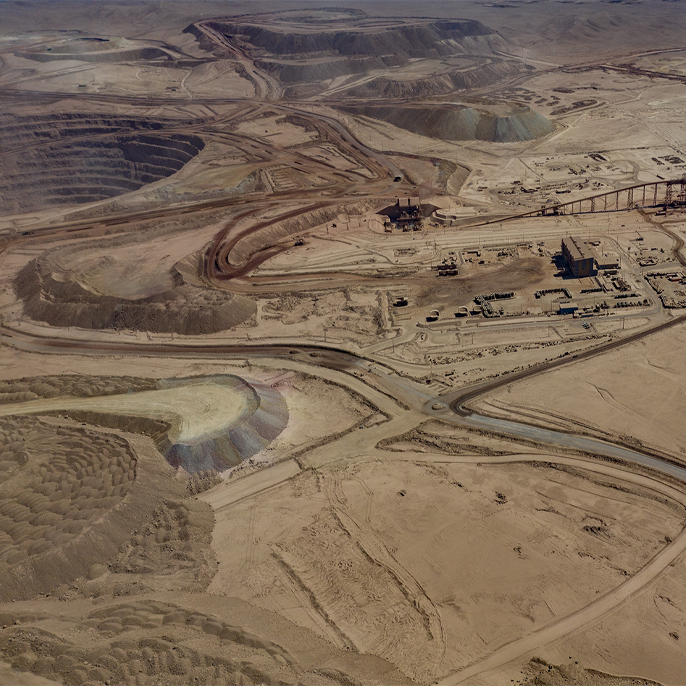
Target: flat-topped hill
[(408, 40), (338, 51)]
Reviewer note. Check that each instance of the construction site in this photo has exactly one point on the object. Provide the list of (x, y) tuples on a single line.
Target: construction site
[(341, 345)]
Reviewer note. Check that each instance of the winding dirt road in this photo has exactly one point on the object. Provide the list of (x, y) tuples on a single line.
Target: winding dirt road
[(406, 402), (600, 608), (357, 372)]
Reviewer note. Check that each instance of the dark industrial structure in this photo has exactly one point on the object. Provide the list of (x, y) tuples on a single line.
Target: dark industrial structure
[(579, 258), (405, 215), (409, 216), (665, 193)]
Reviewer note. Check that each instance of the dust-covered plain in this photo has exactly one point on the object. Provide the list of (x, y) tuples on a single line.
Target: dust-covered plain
[(341, 345)]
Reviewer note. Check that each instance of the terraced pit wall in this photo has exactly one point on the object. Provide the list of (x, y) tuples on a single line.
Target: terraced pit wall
[(88, 170)]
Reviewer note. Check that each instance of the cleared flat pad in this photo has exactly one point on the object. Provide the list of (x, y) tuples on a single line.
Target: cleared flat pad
[(600, 395)]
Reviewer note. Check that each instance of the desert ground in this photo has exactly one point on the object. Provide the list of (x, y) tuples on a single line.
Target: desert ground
[(300, 379)]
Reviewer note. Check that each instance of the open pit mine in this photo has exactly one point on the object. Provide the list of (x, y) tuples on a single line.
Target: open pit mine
[(341, 345)]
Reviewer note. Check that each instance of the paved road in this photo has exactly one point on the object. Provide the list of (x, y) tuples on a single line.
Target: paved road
[(459, 399), (406, 402)]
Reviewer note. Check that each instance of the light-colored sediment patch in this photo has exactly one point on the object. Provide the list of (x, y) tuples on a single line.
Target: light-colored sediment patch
[(204, 409)]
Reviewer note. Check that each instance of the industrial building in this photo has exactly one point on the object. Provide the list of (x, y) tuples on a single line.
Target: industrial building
[(410, 203), (579, 258), (568, 307), (609, 260), (408, 214)]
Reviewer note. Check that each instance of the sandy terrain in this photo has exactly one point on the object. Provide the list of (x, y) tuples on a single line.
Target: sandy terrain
[(341, 561), (196, 410), (661, 609), (263, 271)]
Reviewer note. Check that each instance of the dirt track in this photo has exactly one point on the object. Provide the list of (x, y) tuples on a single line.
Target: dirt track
[(243, 244), (593, 612), (339, 361)]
